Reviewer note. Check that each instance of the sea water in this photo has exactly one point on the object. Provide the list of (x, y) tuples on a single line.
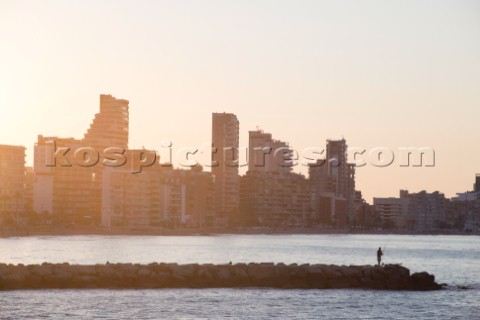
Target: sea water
[(454, 260)]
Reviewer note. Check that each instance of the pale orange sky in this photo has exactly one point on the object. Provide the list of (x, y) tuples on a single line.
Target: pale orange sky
[(389, 74)]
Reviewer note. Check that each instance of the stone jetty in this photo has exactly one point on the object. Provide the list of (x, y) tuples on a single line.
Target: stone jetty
[(240, 275)]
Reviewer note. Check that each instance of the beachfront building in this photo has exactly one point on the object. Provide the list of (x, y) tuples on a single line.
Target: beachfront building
[(225, 140), (109, 127), (393, 212), (278, 200), (12, 183), (270, 194), (343, 175), (365, 217), (427, 211), (267, 154), (464, 209), (130, 200), (333, 180), (421, 211), (68, 184), (186, 198), (157, 197), (329, 208), (67, 192)]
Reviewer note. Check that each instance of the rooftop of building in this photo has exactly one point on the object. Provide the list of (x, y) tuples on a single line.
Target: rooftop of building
[(12, 146)]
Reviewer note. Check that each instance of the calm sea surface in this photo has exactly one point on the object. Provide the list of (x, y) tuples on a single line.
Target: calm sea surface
[(454, 260)]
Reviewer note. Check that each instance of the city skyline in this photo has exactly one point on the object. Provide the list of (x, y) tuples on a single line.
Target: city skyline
[(291, 70), (245, 154), (98, 181), (239, 159)]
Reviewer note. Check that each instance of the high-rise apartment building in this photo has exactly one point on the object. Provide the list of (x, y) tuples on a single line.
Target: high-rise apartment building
[(109, 128), (130, 200), (270, 194), (342, 172), (186, 197), (324, 188), (157, 196), (339, 168), (275, 199), (393, 212), (70, 192), (225, 140), (62, 188), (426, 211), (266, 154), (12, 181)]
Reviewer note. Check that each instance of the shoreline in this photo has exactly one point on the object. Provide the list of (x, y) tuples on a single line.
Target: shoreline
[(121, 231)]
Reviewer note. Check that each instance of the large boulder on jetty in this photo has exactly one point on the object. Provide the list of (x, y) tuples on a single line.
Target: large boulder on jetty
[(172, 275)]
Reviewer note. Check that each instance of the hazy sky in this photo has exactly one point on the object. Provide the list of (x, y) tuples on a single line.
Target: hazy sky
[(379, 73)]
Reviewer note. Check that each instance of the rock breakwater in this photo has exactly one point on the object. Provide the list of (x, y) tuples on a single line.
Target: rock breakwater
[(172, 275)]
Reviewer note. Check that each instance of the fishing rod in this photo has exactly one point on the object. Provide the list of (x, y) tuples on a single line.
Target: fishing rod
[(385, 247), (386, 244)]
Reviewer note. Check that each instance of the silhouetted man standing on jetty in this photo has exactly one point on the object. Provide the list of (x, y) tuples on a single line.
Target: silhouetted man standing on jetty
[(379, 255)]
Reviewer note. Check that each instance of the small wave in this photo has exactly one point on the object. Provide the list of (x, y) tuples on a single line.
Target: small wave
[(460, 287)]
